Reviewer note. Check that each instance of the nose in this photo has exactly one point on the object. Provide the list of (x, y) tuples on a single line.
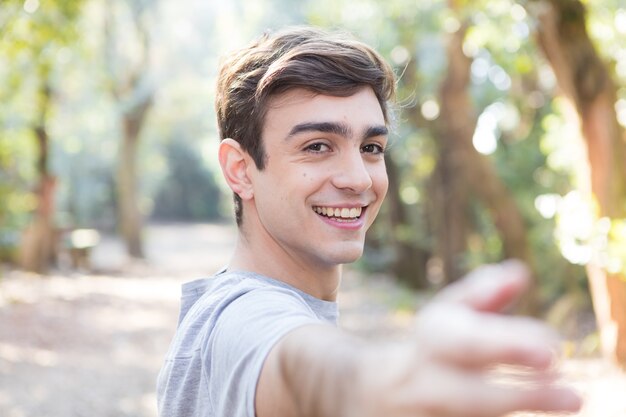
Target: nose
[(352, 173)]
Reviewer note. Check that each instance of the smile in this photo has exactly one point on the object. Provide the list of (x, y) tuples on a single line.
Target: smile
[(339, 213)]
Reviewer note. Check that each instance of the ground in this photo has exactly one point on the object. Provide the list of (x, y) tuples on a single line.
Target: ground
[(76, 344)]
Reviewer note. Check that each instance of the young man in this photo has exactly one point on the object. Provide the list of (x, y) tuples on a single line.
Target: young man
[(304, 121)]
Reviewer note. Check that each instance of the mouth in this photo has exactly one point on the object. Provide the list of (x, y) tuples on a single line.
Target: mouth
[(340, 214)]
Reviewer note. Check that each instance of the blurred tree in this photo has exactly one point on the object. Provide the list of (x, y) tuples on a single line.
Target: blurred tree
[(584, 78), (33, 35), (410, 258), (128, 57), (189, 192), (479, 136), (500, 165), (462, 172), (38, 250)]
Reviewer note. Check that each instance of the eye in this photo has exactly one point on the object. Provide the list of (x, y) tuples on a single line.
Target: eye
[(317, 147), (373, 148)]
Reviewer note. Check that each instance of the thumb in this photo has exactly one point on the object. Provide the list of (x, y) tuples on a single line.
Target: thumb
[(490, 288)]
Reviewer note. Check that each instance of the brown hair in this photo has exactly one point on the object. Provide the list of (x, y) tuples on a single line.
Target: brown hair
[(321, 62)]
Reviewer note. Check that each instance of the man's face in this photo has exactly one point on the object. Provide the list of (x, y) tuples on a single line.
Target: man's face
[(325, 177)]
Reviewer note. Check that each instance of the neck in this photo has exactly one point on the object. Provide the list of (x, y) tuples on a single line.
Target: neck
[(265, 258)]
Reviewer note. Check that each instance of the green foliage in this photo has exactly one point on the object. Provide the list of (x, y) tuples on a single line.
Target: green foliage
[(34, 31), (512, 91), (615, 246), (32, 35), (583, 237), (512, 88)]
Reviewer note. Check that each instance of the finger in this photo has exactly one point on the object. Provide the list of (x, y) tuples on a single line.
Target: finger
[(474, 396), (489, 288), (497, 401), (541, 399), (464, 337)]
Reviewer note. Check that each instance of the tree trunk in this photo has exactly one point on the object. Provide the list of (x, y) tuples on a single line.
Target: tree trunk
[(409, 264), (38, 246), (584, 79), (128, 208), (463, 170), (134, 92), (449, 205)]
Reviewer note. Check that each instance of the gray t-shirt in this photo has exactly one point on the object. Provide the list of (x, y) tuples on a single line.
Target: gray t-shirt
[(227, 326)]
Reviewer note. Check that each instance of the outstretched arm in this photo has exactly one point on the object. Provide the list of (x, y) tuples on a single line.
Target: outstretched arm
[(445, 369)]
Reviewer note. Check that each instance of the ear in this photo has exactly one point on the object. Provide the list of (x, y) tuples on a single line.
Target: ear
[(234, 162)]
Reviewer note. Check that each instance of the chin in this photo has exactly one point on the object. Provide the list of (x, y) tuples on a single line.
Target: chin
[(347, 255)]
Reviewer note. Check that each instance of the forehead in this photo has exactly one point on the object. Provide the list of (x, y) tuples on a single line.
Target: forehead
[(360, 110)]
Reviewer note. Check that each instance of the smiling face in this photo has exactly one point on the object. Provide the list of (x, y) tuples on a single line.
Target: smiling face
[(324, 178)]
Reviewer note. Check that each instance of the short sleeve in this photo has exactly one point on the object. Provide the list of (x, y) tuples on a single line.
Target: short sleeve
[(244, 334)]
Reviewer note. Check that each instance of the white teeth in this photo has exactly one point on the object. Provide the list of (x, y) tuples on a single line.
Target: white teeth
[(339, 213)]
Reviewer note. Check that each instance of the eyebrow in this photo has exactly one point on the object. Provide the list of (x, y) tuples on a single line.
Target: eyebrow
[(373, 131), (340, 129)]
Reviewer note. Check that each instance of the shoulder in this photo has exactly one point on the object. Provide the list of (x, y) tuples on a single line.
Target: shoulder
[(233, 306), (250, 298), (256, 294), (234, 298)]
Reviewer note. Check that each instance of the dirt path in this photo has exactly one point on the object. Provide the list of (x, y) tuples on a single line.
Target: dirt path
[(90, 344)]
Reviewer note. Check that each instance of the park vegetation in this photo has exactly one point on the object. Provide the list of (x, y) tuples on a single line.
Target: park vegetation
[(508, 141)]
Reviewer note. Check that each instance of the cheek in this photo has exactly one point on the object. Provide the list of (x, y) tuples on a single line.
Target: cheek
[(313, 177), (380, 181)]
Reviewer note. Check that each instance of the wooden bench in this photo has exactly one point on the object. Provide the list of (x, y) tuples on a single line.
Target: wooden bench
[(79, 243)]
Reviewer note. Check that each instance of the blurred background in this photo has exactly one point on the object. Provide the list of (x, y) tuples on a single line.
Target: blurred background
[(508, 141)]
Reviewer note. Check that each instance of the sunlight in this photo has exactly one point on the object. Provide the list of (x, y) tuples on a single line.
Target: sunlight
[(31, 6), (480, 70), (620, 109), (620, 67), (547, 205), (620, 21), (601, 31), (183, 31), (546, 78), (575, 253), (430, 109), (400, 55), (358, 13), (410, 195), (470, 49), (485, 138), (518, 12), (499, 78), (576, 227), (451, 24), (508, 116), (521, 29)]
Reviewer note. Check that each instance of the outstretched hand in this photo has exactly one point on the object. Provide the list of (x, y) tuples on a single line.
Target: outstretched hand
[(463, 324), (466, 359), (462, 340)]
